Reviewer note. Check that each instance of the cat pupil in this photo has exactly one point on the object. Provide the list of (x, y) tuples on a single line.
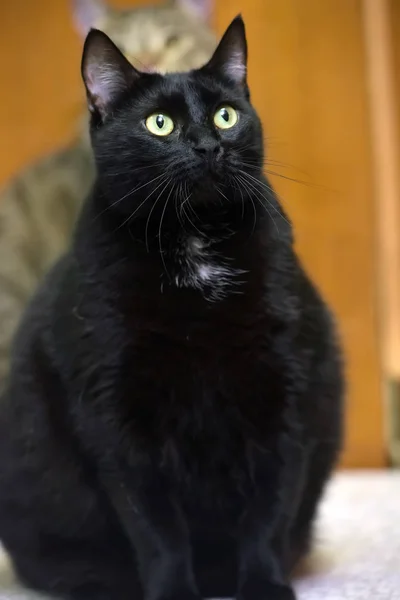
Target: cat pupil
[(160, 121), (225, 114)]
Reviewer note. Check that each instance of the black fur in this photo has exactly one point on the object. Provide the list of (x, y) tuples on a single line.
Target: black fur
[(167, 431)]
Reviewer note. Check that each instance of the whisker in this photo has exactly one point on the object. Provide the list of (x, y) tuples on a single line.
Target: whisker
[(275, 163), (292, 179), (237, 187), (268, 162), (177, 197), (141, 204), (219, 191), (268, 188), (187, 216), (182, 207), (151, 211), (248, 190), (186, 201), (127, 195), (113, 174), (177, 212), (159, 234), (261, 199)]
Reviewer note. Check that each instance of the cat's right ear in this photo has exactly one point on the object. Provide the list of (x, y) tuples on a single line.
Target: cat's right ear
[(106, 73), (88, 14)]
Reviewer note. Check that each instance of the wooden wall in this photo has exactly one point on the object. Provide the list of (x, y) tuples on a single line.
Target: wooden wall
[(308, 76), (41, 93)]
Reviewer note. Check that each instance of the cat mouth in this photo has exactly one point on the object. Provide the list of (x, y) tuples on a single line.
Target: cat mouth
[(213, 166), (211, 179), (206, 172)]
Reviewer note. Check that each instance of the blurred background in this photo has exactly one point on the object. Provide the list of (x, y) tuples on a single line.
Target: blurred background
[(325, 78)]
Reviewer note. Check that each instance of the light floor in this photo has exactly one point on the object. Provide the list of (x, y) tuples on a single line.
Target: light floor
[(357, 556)]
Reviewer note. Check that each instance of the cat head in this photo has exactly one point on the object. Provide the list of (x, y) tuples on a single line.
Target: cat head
[(173, 36), (191, 131)]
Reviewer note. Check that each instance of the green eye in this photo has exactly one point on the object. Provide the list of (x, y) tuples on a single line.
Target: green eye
[(159, 124), (225, 117)]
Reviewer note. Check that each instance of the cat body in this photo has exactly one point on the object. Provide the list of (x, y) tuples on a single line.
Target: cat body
[(39, 207), (174, 408)]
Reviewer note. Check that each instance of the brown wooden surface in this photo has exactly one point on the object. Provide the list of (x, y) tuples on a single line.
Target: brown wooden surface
[(308, 79), (394, 8), (394, 19), (40, 83)]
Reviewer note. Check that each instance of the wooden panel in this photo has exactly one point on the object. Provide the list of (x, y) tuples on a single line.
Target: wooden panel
[(41, 93), (385, 130), (394, 8), (308, 80), (394, 21)]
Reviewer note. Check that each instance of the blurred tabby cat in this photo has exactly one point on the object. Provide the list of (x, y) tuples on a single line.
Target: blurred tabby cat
[(39, 206)]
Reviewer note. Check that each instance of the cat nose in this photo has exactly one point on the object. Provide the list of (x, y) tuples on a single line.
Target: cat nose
[(208, 148)]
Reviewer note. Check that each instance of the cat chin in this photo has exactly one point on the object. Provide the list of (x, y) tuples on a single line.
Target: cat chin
[(208, 189), (207, 180)]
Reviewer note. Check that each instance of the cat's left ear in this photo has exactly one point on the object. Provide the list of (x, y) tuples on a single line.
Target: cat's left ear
[(106, 73), (230, 58)]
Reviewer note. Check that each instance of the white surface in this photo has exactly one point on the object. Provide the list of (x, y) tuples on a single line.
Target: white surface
[(357, 554)]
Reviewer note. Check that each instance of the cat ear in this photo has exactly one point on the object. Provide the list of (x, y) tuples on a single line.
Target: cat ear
[(87, 14), (197, 8), (106, 73), (230, 57)]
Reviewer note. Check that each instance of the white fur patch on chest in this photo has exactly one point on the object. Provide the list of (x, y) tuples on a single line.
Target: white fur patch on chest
[(200, 268)]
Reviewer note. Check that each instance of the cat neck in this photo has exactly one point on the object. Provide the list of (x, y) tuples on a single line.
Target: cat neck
[(215, 252)]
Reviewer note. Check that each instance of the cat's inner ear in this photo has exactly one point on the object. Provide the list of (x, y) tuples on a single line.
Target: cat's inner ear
[(230, 57), (88, 14), (197, 8), (106, 73)]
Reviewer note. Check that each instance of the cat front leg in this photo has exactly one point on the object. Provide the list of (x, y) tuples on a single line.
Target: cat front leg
[(264, 531), (156, 528), (129, 475)]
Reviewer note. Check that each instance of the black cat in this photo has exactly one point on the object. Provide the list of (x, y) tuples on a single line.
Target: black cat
[(175, 403)]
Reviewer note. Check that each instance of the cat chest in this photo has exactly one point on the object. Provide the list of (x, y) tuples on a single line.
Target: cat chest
[(204, 414), (205, 455), (198, 264), (201, 379)]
